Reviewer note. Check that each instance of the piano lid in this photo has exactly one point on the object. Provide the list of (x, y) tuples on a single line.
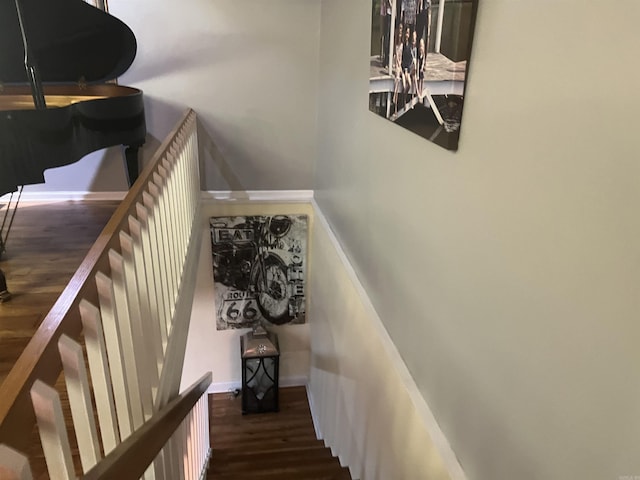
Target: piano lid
[(70, 40)]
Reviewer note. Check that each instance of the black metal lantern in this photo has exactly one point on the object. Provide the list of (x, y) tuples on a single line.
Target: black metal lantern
[(260, 363)]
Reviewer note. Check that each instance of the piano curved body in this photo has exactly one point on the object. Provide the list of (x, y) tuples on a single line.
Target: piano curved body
[(55, 107), (77, 121), (76, 49)]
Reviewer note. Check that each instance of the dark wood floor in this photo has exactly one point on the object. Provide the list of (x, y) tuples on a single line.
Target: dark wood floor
[(46, 245), (268, 446)]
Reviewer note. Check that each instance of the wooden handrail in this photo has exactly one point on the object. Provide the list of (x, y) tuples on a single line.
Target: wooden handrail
[(40, 359), (132, 457)]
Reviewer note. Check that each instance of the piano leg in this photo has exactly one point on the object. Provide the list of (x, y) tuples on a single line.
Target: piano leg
[(5, 296), (131, 157)]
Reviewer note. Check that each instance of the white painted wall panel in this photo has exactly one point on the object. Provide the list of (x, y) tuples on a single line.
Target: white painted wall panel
[(366, 406), (507, 273), (218, 351)]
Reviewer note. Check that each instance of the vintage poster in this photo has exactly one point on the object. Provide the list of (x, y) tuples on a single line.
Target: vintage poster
[(259, 269)]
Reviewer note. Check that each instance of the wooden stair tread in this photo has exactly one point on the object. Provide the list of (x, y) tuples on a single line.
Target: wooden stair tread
[(308, 475), (225, 457), (277, 436), (262, 447), (298, 472), (272, 464), (278, 445)]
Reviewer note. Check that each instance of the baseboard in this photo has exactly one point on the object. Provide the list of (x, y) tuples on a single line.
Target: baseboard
[(50, 197), (266, 196), (224, 387), (205, 465), (314, 418)]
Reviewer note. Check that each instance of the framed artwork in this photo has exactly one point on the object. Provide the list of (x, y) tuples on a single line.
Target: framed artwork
[(259, 270), (419, 60)]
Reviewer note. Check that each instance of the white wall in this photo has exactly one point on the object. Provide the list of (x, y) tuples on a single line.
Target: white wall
[(101, 171), (506, 273), (250, 70), (218, 351), (365, 404)]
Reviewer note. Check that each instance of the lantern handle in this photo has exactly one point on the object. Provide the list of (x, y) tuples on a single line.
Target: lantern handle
[(259, 331)]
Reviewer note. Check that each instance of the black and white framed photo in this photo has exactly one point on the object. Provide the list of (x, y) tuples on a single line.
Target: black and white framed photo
[(259, 269), (419, 60)]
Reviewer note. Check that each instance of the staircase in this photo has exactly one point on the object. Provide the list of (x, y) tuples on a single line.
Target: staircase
[(127, 310), (267, 446)]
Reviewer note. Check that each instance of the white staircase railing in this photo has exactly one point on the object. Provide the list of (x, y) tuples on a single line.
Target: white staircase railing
[(126, 311)]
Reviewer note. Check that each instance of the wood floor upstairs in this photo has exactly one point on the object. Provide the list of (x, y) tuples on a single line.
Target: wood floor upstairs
[(47, 243)]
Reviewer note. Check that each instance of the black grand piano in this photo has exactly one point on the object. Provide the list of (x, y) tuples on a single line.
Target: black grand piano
[(73, 49), (56, 105)]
